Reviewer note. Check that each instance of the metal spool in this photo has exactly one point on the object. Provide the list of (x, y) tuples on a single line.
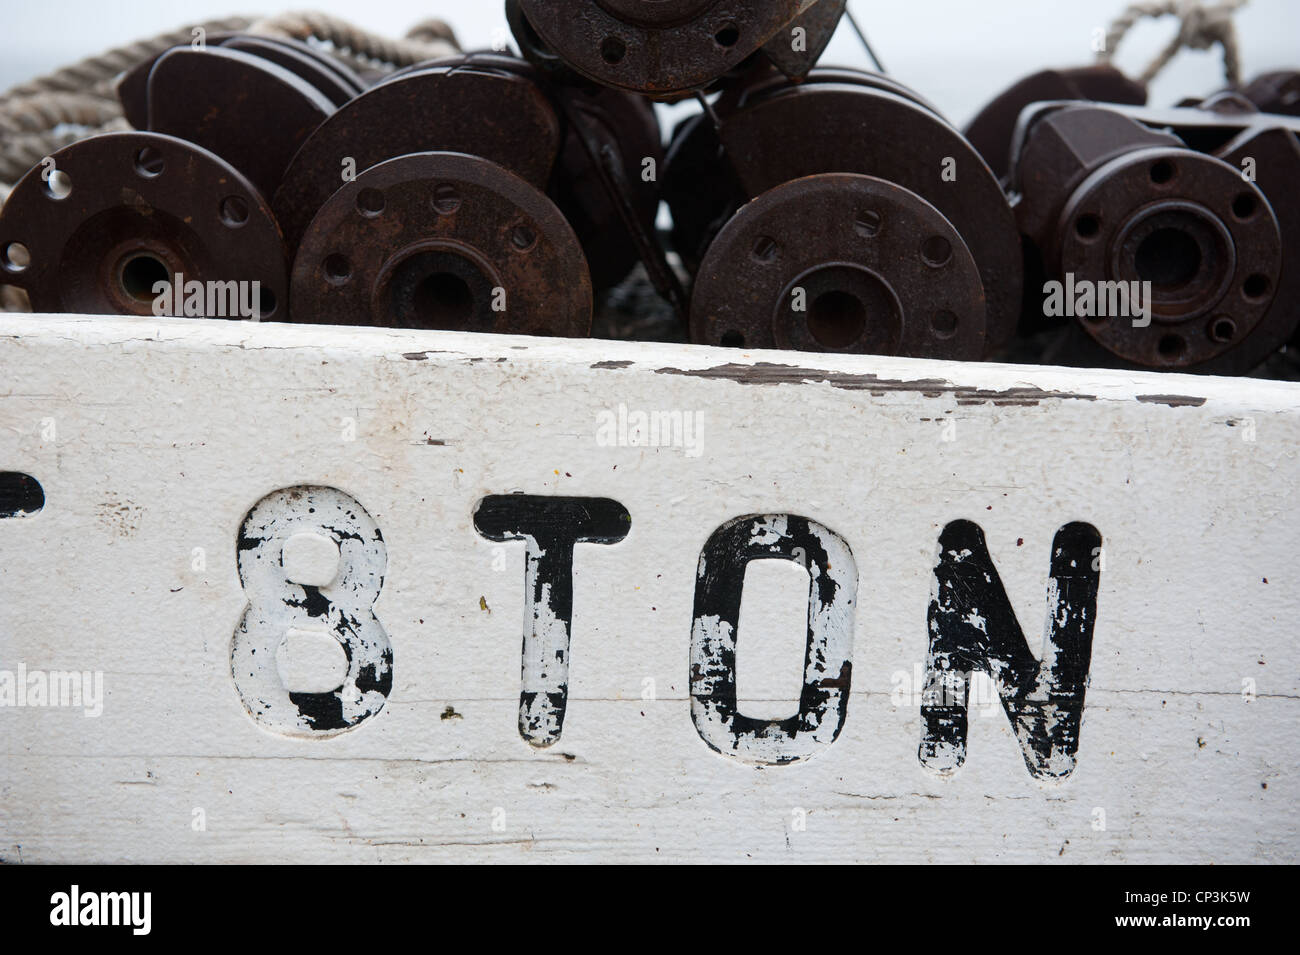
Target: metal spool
[(443, 240), (1112, 194), (841, 262), (611, 121), (141, 208), (436, 109), (700, 184), (837, 118), (332, 78), (1206, 240), (660, 49), (246, 109)]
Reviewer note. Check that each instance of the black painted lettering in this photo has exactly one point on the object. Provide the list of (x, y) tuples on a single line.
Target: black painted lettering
[(550, 527), (973, 627)]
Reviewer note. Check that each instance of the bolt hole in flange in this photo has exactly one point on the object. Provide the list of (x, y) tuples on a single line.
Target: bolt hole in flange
[(338, 270), (21, 495), (139, 274), (1087, 226), (613, 50), (1244, 207), (370, 203), (15, 257), (868, 224), (936, 251), (149, 163), (1163, 172), (727, 36), (523, 238), (233, 212), (446, 200), (765, 248), (944, 324), (1223, 330), (59, 185), (1256, 287)]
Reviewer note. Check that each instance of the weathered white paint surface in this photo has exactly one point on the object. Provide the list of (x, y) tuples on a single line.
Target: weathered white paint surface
[(154, 439)]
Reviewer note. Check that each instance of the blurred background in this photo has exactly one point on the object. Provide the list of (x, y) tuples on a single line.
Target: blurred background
[(957, 53)]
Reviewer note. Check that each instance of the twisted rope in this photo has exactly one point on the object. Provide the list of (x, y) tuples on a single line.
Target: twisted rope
[(94, 71), (19, 153), (433, 39), (36, 114), (1200, 28)]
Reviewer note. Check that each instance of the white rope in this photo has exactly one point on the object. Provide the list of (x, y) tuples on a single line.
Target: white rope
[(1201, 26)]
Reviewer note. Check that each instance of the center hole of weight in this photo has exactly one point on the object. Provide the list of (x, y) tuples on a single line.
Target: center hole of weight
[(1168, 258), (139, 275), (443, 300), (837, 319)]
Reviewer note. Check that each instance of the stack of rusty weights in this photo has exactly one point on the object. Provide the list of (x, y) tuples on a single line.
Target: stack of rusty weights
[(812, 208)]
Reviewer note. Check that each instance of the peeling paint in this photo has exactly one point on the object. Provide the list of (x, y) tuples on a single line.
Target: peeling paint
[(1173, 401), (767, 373)]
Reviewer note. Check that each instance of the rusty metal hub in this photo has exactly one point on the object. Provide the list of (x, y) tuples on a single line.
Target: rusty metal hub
[(434, 109), (251, 112), (1112, 194), (841, 262), (1206, 241), (139, 209), (443, 240), (837, 118), (662, 48)]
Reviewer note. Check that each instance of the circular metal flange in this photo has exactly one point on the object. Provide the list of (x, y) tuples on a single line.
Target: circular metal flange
[(443, 108), (447, 241), (873, 131), (627, 123), (843, 263), (248, 110), (338, 82), (1189, 224), (660, 48), (142, 208), (699, 182)]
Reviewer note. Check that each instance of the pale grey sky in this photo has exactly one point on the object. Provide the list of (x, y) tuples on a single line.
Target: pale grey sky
[(957, 53)]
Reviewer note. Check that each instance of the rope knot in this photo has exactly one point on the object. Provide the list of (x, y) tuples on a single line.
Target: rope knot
[(1200, 27)]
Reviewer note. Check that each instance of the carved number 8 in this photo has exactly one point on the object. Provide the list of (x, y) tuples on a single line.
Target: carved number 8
[(312, 562)]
